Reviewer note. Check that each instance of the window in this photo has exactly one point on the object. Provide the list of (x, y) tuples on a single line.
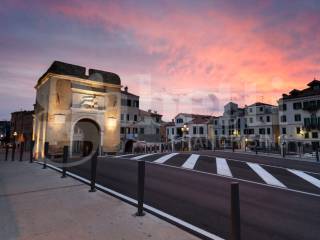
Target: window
[(157, 131), (251, 120), (142, 131), (194, 130), (201, 130), (268, 118), (284, 131), (314, 134), (167, 131), (135, 117), (122, 118), (223, 132), (283, 118), (306, 135), (297, 105), (215, 122), (261, 109), (128, 117), (283, 107), (261, 118), (122, 130), (172, 131), (262, 131), (179, 120), (250, 110), (268, 131), (298, 130), (216, 132), (129, 130), (297, 117), (135, 130), (129, 102), (136, 103)]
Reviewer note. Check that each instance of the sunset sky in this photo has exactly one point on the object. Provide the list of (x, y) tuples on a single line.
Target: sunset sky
[(179, 56)]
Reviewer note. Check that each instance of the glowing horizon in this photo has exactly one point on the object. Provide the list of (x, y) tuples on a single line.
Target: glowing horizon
[(186, 56)]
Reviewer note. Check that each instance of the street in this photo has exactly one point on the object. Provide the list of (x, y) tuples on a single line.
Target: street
[(277, 202)]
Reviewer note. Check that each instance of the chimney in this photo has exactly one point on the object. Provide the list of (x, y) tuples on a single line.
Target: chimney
[(172, 120), (126, 88), (149, 111)]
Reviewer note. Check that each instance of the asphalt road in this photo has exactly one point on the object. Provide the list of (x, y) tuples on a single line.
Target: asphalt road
[(202, 197)]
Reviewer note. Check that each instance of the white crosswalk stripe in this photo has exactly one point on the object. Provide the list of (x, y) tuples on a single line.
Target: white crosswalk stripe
[(314, 181), (267, 177), (165, 158), (142, 156), (125, 155), (223, 167), (191, 161)]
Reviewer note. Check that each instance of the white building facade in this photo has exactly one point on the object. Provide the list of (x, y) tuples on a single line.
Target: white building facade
[(299, 118)]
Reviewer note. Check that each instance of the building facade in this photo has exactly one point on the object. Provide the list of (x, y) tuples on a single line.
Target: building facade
[(261, 125), (4, 132), (77, 107), (22, 128), (137, 124), (189, 130), (299, 118)]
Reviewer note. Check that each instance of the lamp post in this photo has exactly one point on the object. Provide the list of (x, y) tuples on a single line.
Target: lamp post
[(15, 134), (235, 134), (245, 144), (185, 130)]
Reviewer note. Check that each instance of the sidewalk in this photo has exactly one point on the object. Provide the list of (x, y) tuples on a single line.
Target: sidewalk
[(37, 204)]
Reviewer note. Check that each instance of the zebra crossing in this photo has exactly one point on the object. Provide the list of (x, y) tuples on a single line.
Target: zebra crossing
[(223, 167)]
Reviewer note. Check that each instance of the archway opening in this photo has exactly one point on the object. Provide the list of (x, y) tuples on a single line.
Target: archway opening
[(129, 146), (86, 136)]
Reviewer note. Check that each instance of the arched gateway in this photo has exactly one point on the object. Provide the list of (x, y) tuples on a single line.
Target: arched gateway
[(86, 137), (77, 109)]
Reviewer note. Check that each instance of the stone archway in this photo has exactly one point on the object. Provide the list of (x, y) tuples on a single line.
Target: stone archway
[(86, 136)]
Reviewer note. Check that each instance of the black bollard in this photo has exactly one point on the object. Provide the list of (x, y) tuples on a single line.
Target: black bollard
[(7, 151), (235, 212), (21, 151), (13, 152), (31, 152), (141, 176), (65, 160), (94, 161), (46, 154), (317, 154)]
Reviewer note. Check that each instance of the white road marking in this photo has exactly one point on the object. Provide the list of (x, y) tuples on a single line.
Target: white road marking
[(314, 181), (223, 167), (165, 158), (191, 161), (142, 156), (267, 177), (119, 156)]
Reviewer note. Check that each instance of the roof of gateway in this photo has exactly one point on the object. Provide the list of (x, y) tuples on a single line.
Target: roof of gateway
[(68, 69), (312, 90)]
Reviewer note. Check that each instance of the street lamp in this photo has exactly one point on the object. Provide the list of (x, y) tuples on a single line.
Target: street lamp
[(235, 134), (246, 143), (185, 130)]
